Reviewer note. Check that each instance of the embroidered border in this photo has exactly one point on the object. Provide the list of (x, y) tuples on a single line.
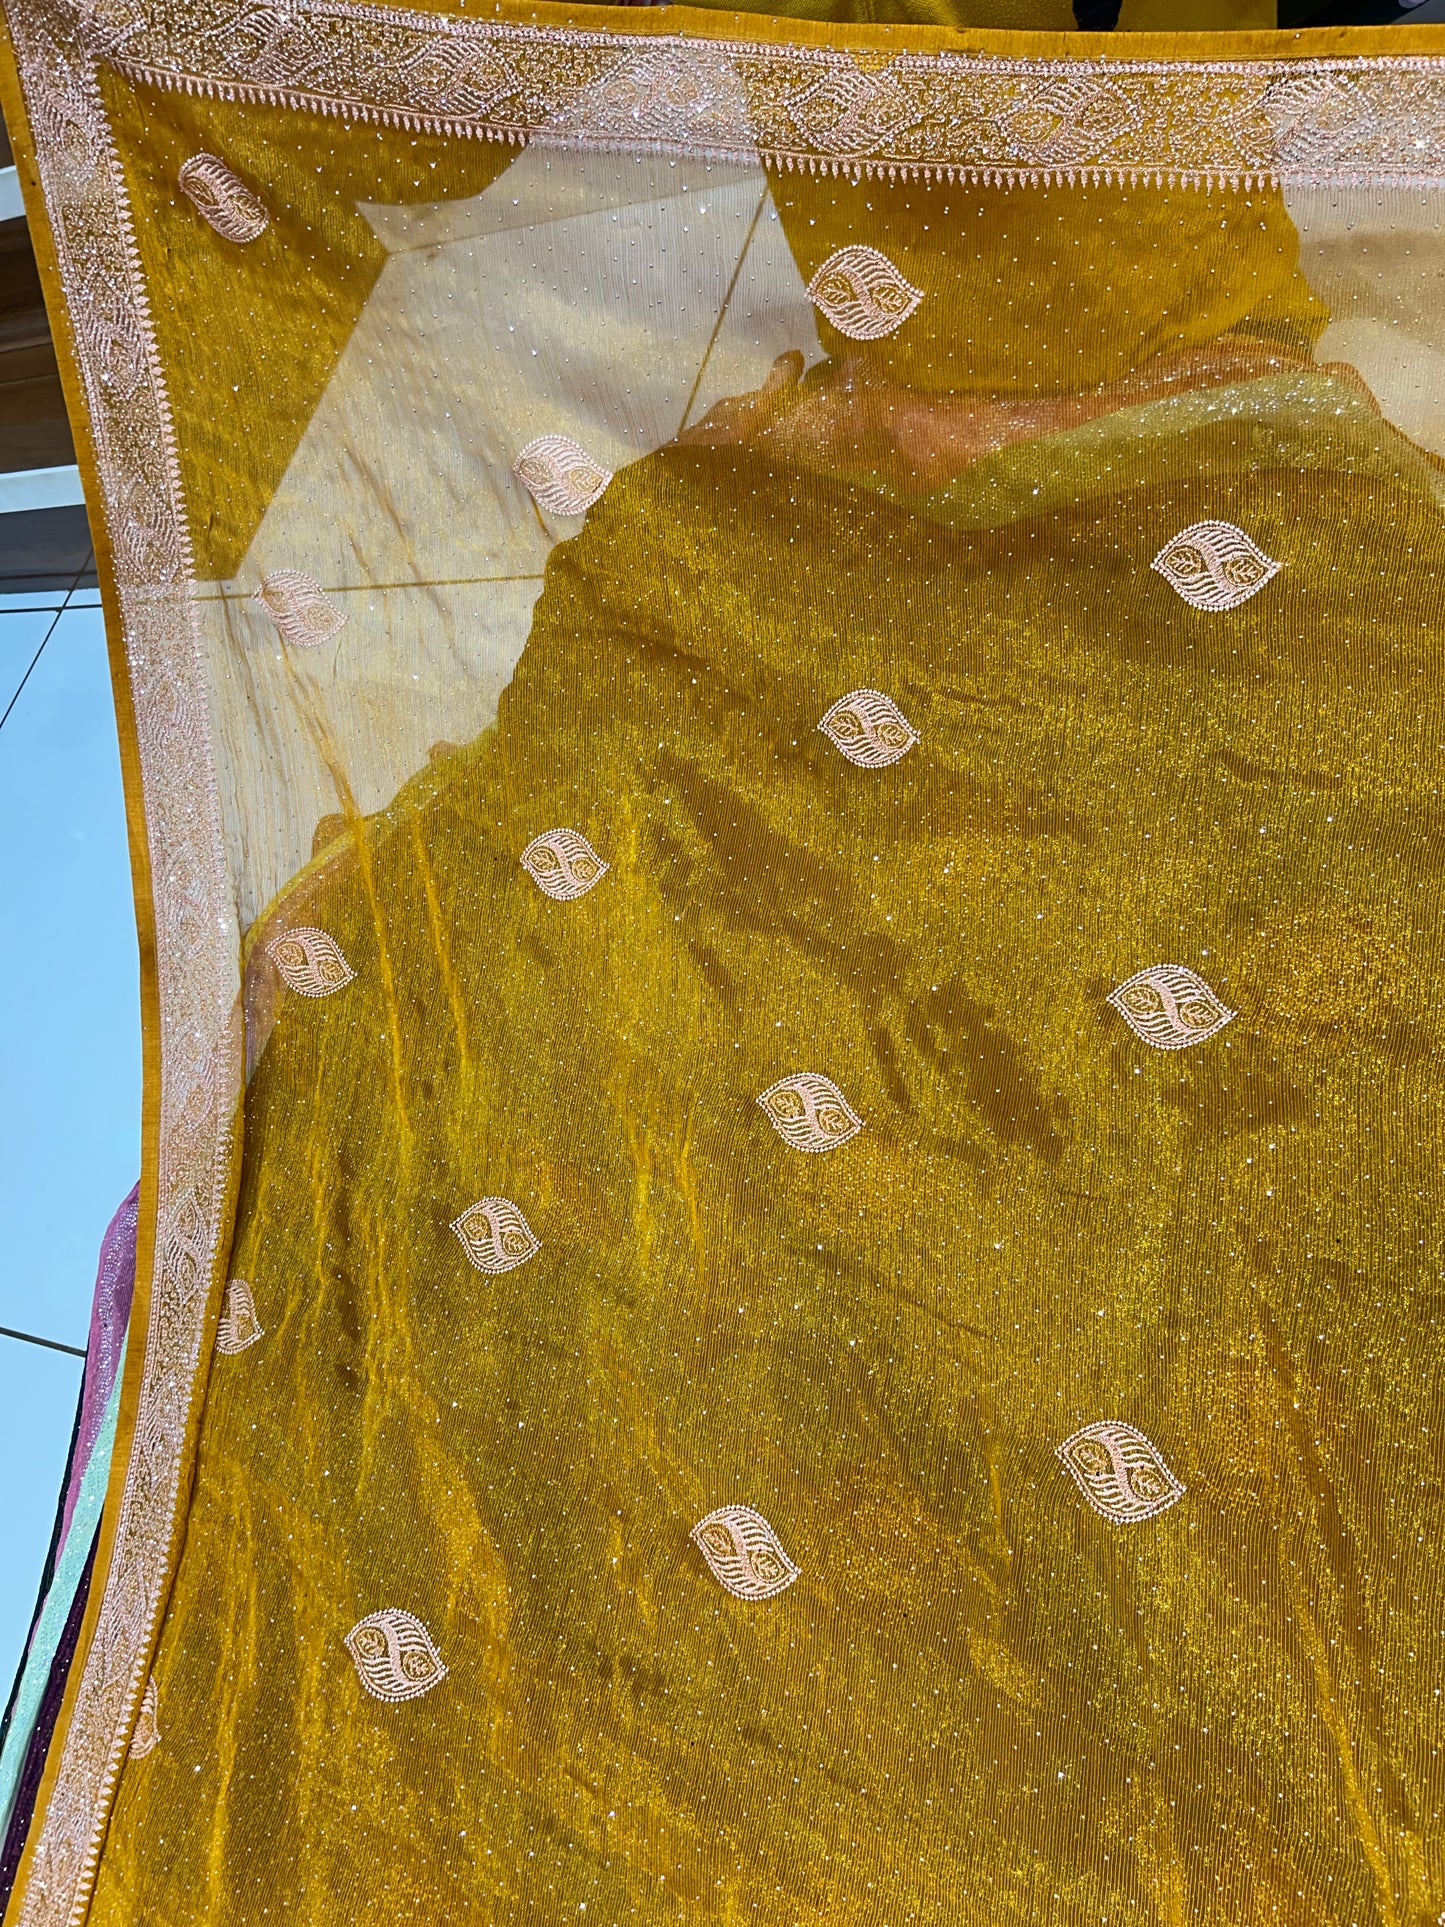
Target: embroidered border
[(196, 939), (1376, 121)]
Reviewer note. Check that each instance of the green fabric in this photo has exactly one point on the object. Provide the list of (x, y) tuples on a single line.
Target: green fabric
[(58, 1602)]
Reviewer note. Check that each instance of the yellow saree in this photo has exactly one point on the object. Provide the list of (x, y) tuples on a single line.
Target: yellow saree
[(784, 706)]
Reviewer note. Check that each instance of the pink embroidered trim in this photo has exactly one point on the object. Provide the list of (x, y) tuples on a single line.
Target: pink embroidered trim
[(395, 1656), (1170, 1007), (1119, 1472), (1214, 566), (298, 606), (495, 1235), (869, 729), (743, 1552), (140, 504), (560, 475), (861, 292), (946, 116), (227, 203), (310, 961), (563, 864), (147, 1735), (238, 1326), (809, 1112)]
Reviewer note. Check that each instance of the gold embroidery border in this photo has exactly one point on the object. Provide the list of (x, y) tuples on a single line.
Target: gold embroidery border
[(876, 101), (80, 223), (919, 112)]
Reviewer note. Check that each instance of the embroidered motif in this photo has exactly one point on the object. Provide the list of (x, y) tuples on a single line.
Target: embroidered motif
[(869, 728), (1119, 1472), (651, 96), (563, 864), (396, 1657), (849, 110), (239, 1325), (809, 1112), (147, 1735), (495, 1235), (1169, 1007), (743, 1553), (560, 476), (1214, 566), (310, 961), (861, 292), (297, 604), (227, 203)]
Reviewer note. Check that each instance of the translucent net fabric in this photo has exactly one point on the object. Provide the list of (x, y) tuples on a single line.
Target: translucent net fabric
[(821, 753)]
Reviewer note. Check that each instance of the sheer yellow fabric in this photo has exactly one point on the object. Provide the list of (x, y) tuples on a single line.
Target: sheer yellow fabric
[(1059, 290), (830, 1310)]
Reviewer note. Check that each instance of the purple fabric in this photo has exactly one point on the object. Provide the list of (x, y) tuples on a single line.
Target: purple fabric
[(110, 1312), (31, 1773)]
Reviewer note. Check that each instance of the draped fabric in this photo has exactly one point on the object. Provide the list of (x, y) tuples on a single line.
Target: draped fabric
[(35, 1698), (105, 1346), (781, 683), (42, 1707)]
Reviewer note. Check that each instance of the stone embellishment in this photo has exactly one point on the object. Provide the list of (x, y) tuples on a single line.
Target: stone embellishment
[(239, 1325), (1119, 1472), (563, 864), (560, 476), (743, 1553), (869, 728), (297, 604), (310, 961), (861, 292), (147, 1735), (1169, 1007), (227, 203), (396, 1657), (809, 1112), (1214, 566), (495, 1235)]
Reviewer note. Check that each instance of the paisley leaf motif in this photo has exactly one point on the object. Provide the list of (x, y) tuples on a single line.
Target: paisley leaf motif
[(1214, 566), (560, 475), (654, 94), (395, 1656), (808, 1111), (220, 198), (297, 604), (1170, 1007), (743, 1553), (869, 729), (563, 864), (495, 1235), (238, 1326), (310, 961), (861, 292), (1119, 1472), (147, 1735)]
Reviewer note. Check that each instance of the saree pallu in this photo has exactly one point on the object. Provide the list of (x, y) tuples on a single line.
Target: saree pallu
[(783, 709)]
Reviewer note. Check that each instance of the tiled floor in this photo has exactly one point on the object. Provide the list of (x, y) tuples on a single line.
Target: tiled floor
[(69, 1049)]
